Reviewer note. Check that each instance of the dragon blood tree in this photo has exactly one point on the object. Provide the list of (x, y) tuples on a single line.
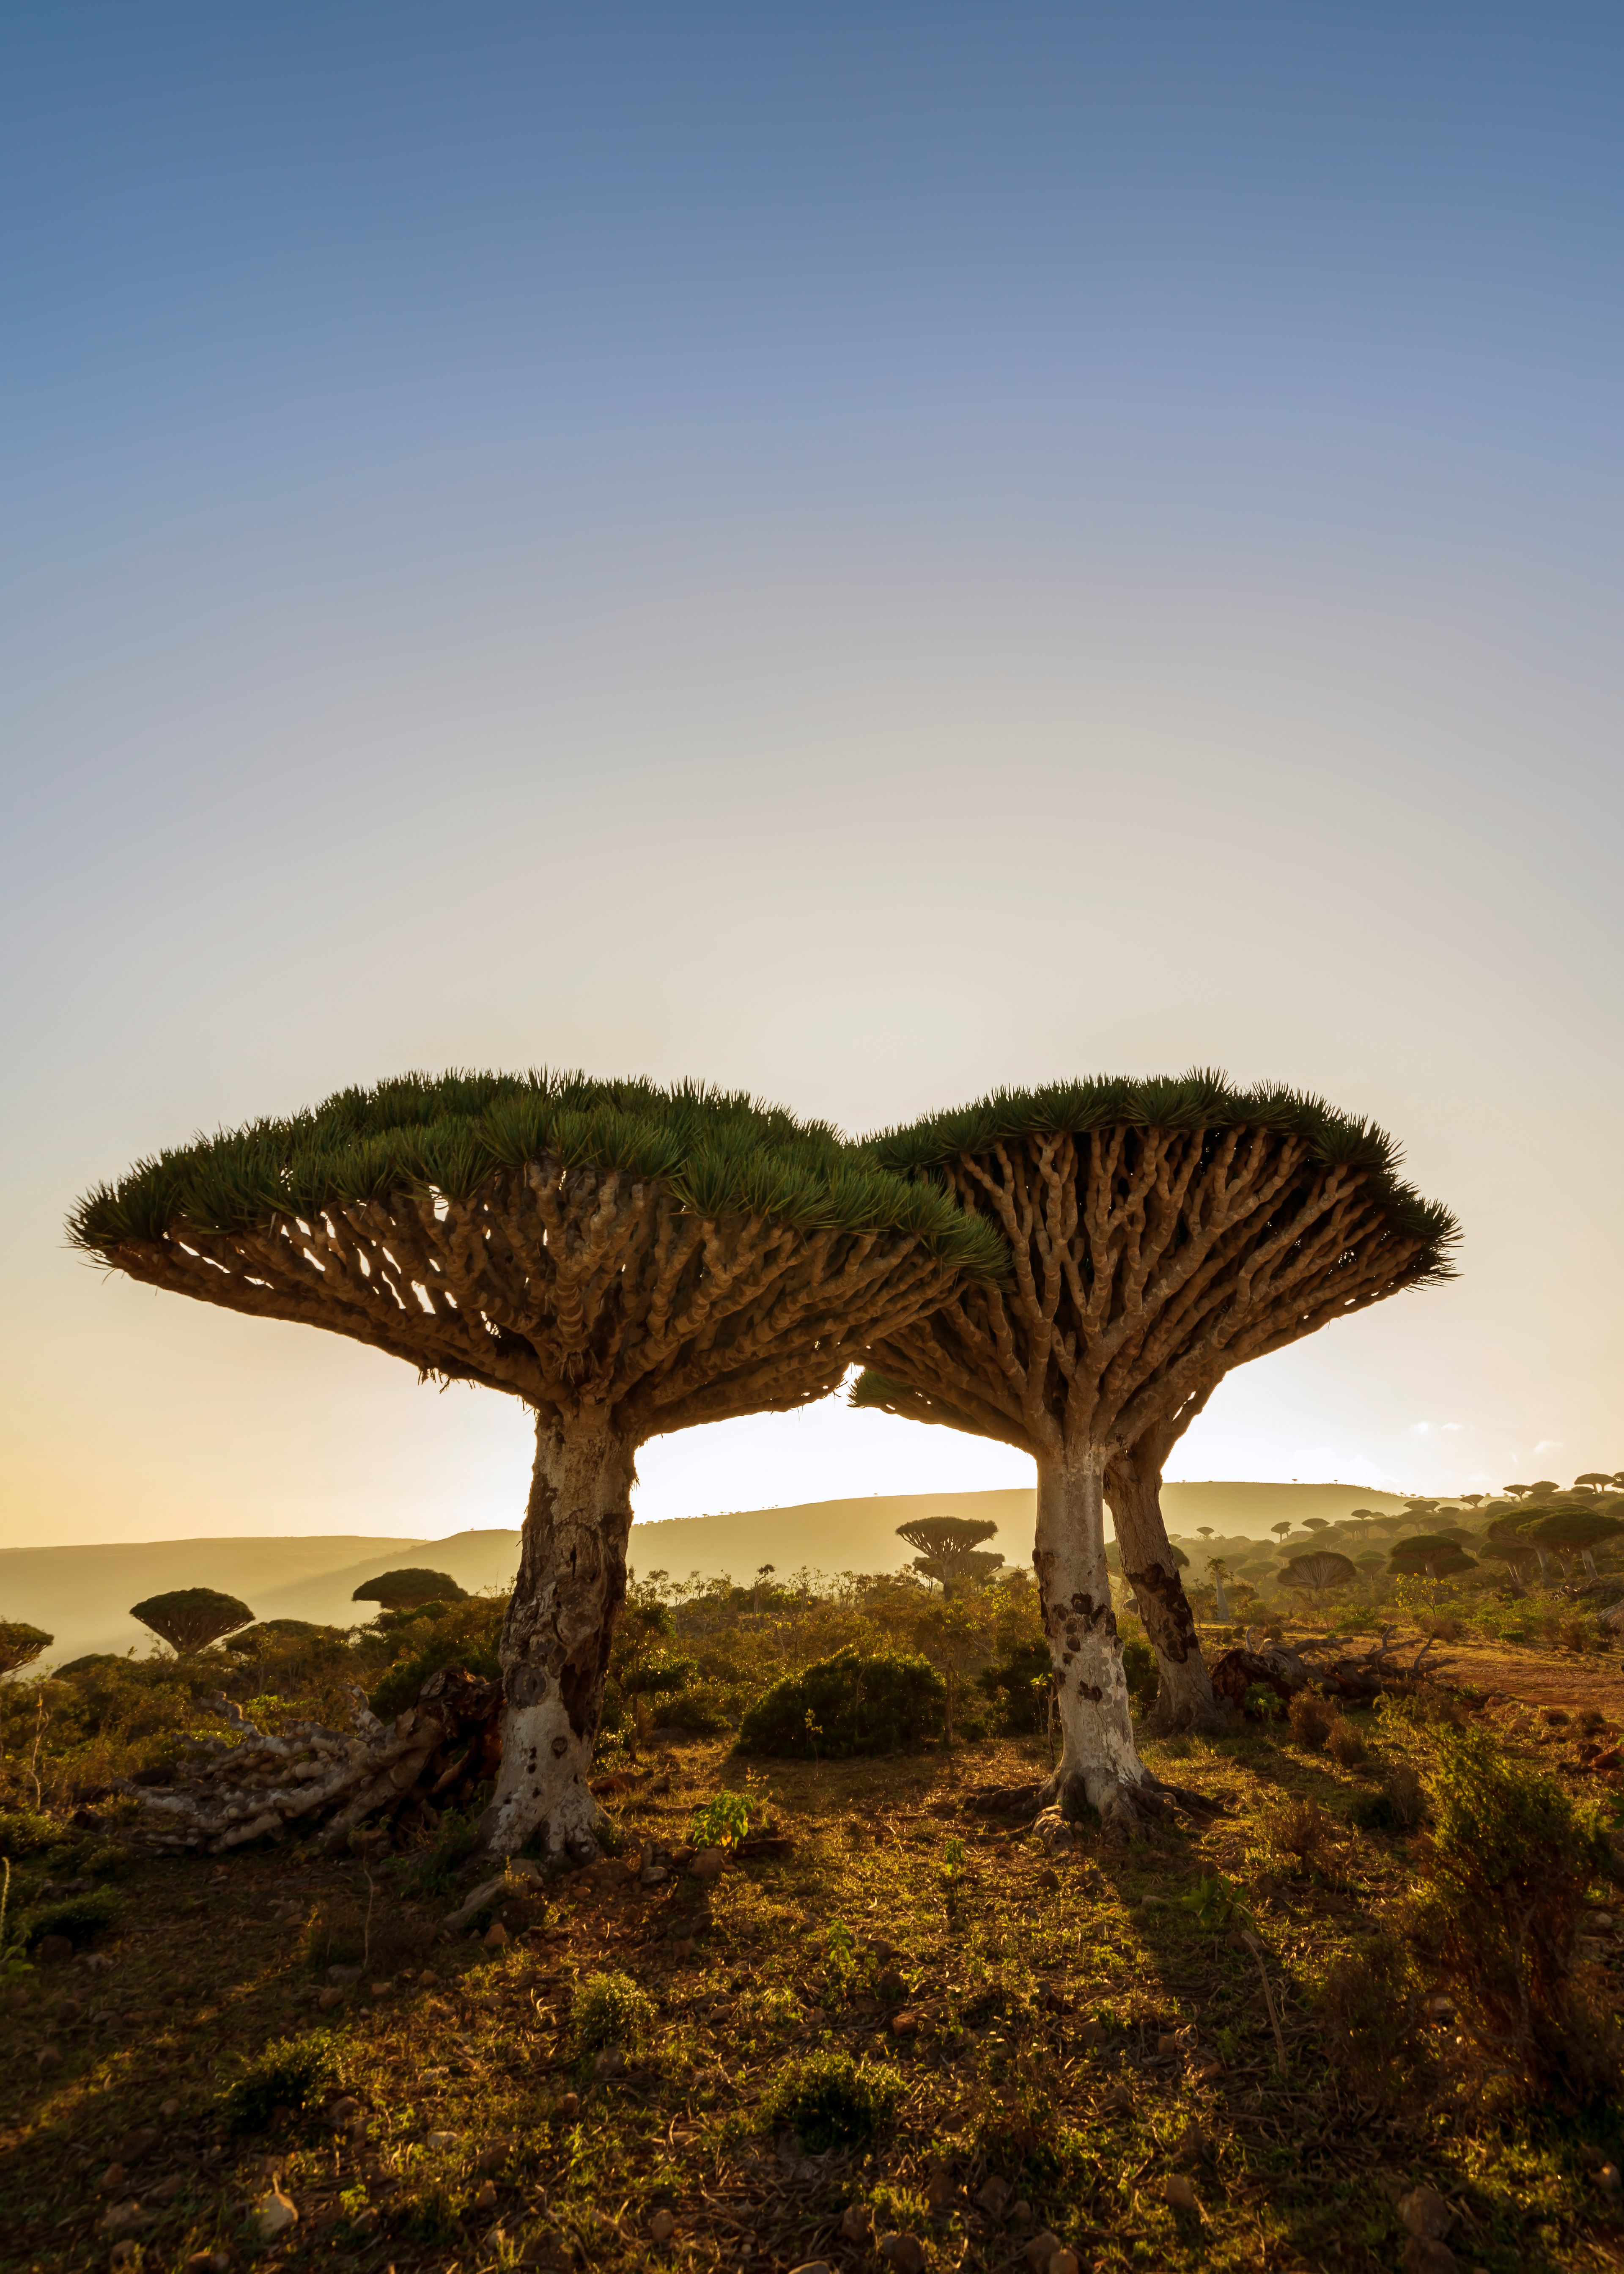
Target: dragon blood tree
[(1162, 1232), (626, 1260)]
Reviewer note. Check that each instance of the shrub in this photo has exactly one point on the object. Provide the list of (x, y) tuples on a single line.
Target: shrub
[(1298, 1829), (289, 2073), (81, 1918), (1260, 1701), (659, 1676), (1506, 1876), (609, 2009), (458, 1634), (1310, 1720), (1018, 1686), (833, 2101), (1344, 1743), (1140, 1670), (25, 1832), (847, 1705), (1370, 2000), (723, 1822)]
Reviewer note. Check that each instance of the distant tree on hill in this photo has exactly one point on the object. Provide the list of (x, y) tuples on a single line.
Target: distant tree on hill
[(1318, 1574), (1516, 1492), (405, 1590), (1543, 1487), (1575, 1531), (1510, 1549), (20, 1643), (190, 1618), (1596, 1479), (1316, 1523), (1219, 1572), (1281, 1530), (1432, 1554), (950, 1550)]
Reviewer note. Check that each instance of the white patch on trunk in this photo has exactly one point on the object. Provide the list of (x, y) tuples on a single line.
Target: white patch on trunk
[(543, 1783), (1100, 1759), (570, 1586)]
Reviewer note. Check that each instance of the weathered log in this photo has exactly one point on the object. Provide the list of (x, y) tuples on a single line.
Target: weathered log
[(323, 1782), (1356, 1679)]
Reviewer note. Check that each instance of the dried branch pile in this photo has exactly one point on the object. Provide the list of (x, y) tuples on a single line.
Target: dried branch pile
[(431, 1758), (1358, 1677)]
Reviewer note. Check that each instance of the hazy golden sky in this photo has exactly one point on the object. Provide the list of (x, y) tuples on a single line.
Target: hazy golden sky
[(859, 558)]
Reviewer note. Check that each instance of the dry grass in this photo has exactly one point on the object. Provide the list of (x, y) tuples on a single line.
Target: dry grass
[(1070, 2028)]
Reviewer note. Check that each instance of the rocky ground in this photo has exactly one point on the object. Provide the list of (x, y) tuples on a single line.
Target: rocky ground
[(1060, 2061)]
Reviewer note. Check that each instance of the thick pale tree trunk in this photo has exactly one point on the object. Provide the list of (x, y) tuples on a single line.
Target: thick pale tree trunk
[(1184, 1698), (555, 1642), (1099, 1763), (1224, 1612)]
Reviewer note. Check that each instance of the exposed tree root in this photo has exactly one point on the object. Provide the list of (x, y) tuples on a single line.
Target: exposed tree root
[(311, 1779)]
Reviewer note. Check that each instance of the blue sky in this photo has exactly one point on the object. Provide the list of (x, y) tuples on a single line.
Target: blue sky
[(864, 553)]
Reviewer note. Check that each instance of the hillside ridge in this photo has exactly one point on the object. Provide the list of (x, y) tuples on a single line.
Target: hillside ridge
[(82, 1594)]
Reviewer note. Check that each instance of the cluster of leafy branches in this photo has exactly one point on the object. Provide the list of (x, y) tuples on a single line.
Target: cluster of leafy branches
[(1200, 1099), (721, 1152)]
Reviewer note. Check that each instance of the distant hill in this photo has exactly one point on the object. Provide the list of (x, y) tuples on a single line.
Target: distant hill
[(82, 1595)]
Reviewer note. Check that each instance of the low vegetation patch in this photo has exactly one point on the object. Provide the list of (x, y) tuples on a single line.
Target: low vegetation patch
[(830, 2100)]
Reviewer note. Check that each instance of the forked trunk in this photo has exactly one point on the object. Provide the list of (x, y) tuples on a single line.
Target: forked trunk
[(556, 1638), (1184, 1698), (1098, 1762)]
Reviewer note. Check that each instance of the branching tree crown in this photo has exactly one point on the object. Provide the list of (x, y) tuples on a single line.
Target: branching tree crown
[(574, 1243), (190, 1618), (20, 1643), (1314, 1575), (949, 1548), (400, 1591), (1162, 1233)]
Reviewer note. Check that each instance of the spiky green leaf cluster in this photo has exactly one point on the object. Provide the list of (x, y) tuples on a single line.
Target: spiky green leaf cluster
[(1202, 1099), (719, 1152)]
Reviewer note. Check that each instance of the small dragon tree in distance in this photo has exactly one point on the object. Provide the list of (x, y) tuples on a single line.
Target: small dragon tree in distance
[(627, 1260), (405, 1590), (1162, 1233), (190, 1618), (948, 1547), (20, 1643)]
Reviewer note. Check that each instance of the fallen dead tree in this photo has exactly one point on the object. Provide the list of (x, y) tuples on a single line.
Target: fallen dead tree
[(397, 1775), (1359, 1678)]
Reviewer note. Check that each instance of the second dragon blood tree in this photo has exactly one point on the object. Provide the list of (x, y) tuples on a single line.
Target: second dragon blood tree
[(626, 1260), (1162, 1232)]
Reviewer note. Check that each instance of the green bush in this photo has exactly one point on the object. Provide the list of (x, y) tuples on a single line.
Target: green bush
[(1370, 2000), (1139, 1668), (458, 1634), (609, 2009), (833, 2101), (659, 1676), (81, 1918), (1018, 1686), (23, 1831), (848, 1705), (1505, 1877), (289, 2073)]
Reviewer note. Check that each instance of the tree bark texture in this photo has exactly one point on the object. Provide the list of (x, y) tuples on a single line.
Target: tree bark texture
[(555, 1640), (400, 1773), (1146, 1263), (1185, 1697), (1099, 1761)]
